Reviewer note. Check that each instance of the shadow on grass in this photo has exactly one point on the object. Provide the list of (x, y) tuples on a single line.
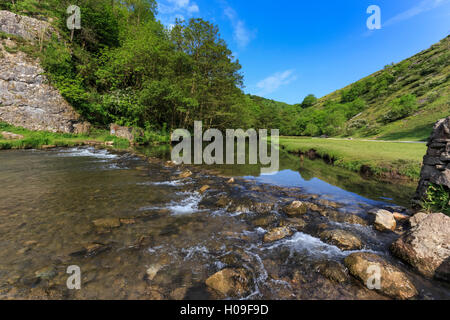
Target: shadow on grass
[(421, 133)]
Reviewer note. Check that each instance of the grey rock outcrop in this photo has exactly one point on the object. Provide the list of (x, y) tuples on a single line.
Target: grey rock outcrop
[(24, 27), (426, 246), (26, 98), (436, 163)]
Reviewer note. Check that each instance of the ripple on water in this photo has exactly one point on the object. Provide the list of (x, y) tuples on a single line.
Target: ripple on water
[(86, 152), (303, 243)]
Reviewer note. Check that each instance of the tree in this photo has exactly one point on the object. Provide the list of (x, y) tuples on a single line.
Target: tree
[(309, 101)]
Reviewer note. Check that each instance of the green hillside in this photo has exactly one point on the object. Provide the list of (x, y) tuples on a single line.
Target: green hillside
[(400, 102)]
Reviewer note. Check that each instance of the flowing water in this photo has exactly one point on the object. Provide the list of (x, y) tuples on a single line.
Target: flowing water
[(166, 238)]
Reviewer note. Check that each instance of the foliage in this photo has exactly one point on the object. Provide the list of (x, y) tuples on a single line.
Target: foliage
[(37, 139), (437, 199), (401, 108), (309, 101)]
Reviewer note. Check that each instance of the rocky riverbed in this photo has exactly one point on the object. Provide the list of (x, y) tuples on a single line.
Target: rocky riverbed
[(144, 228)]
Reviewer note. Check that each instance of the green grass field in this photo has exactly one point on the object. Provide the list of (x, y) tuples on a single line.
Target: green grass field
[(37, 139), (383, 158)]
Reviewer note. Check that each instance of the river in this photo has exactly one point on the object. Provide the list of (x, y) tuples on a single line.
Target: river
[(162, 238)]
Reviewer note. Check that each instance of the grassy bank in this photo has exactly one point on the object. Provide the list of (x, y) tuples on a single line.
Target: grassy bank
[(39, 139), (383, 159)]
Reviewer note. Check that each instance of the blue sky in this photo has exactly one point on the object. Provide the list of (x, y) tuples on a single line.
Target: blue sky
[(289, 49)]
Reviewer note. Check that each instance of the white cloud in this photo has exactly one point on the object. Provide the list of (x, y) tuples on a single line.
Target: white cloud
[(275, 81), (242, 35), (423, 6), (169, 10)]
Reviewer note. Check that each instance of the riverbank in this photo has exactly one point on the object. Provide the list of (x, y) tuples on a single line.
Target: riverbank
[(27, 139), (382, 160)]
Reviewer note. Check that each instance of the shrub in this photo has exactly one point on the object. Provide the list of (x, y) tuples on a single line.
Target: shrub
[(437, 199), (401, 108)]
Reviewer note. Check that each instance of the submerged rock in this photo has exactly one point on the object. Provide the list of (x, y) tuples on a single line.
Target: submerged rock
[(384, 220), (107, 223), (153, 270), (333, 270), (277, 234), (231, 282), (46, 273), (204, 188), (426, 246), (393, 282), (342, 239), (265, 221), (296, 208), (185, 174)]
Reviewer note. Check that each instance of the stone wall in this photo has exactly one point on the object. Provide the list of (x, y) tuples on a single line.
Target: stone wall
[(436, 163), (26, 98)]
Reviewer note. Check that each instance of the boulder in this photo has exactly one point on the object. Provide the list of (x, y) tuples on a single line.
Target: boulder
[(384, 220), (400, 216), (333, 270), (426, 246), (231, 282), (342, 239), (125, 132), (415, 219), (393, 282), (296, 208), (277, 234), (10, 136)]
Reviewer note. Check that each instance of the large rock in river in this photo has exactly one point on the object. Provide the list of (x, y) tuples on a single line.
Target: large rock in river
[(296, 208), (393, 282), (342, 239), (427, 246), (231, 282), (384, 220)]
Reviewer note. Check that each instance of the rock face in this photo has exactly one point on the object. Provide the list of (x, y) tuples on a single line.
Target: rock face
[(427, 246), (230, 282), (26, 98), (393, 282), (436, 163), (24, 27)]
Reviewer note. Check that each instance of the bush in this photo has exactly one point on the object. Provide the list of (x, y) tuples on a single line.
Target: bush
[(401, 108), (311, 130), (437, 199)]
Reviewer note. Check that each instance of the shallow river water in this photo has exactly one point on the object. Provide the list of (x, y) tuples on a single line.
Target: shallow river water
[(166, 238)]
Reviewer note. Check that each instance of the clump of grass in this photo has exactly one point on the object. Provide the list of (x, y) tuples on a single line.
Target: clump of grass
[(437, 199)]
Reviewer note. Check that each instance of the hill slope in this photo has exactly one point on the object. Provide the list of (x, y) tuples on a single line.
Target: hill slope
[(401, 102), (425, 76)]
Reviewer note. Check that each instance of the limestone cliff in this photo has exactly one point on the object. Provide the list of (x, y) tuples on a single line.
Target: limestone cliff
[(26, 98)]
